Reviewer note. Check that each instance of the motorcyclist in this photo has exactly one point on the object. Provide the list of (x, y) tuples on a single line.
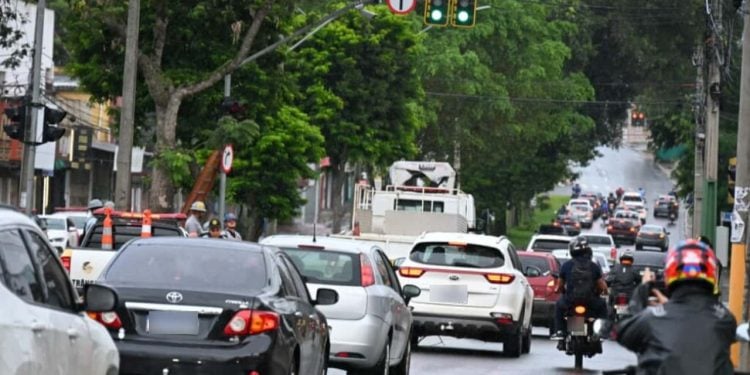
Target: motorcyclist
[(214, 230), (622, 279), (576, 190), (689, 333), (672, 213), (574, 290), (562, 211), (642, 192), (619, 192), (612, 201)]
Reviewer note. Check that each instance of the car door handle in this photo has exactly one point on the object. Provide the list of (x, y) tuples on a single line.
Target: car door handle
[(37, 327), (72, 333)]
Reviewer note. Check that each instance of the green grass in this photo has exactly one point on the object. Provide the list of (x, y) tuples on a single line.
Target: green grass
[(543, 214)]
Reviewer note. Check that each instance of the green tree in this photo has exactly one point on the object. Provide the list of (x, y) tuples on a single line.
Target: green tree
[(11, 34), (363, 90)]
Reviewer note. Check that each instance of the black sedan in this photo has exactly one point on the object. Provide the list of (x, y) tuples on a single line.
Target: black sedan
[(207, 306), (652, 235), (653, 260)]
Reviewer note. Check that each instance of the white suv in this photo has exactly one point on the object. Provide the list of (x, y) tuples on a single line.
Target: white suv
[(472, 286)]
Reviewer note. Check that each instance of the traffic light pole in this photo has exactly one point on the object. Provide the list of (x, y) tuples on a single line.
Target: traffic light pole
[(26, 196)]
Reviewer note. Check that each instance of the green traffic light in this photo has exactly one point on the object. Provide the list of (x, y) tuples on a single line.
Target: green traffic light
[(463, 16), (436, 15)]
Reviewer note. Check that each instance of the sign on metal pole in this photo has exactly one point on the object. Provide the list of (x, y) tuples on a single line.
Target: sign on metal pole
[(227, 158), (402, 7)]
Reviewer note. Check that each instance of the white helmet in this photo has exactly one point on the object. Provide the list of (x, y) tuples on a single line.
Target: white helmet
[(198, 206)]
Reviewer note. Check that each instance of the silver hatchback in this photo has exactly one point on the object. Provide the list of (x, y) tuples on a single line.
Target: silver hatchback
[(371, 323)]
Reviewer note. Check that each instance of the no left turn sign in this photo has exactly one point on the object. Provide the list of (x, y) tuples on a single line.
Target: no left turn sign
[(402, 6), (227, 157)]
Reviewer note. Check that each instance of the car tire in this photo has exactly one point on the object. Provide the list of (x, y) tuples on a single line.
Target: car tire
[(293, 370), (512, 344), (414, 341), (403, 367), (383, 365), (526, 344)]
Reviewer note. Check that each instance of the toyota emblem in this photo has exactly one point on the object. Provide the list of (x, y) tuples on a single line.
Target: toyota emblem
[(174, 297), (454, 277)]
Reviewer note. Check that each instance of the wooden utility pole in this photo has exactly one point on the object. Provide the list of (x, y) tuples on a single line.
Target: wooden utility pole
[(127, 114)]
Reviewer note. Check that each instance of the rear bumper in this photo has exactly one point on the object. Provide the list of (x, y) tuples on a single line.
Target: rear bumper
[(362, 339), (486, 329), (543, 313), (650, 242), (622, 235), (256, 353)]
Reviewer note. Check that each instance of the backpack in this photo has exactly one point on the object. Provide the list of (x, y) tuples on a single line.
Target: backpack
[(582, 280)]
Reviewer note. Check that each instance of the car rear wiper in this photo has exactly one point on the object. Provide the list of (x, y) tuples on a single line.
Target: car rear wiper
[(463, 264)]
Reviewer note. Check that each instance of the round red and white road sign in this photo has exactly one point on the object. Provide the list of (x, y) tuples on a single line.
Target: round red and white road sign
[(402, 6), (227, 157)]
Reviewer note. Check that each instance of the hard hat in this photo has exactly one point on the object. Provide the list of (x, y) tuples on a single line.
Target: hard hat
[(230, 217), (214, 224), (198, 206), (95, 204)]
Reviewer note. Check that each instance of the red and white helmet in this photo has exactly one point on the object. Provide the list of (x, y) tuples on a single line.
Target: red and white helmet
[(691, 260)]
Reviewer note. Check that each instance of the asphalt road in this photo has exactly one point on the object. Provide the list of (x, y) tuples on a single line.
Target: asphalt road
[(626, 167)]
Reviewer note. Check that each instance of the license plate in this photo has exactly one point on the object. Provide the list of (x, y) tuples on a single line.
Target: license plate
[(621, 309), (457, 294), (577, 326), (172, 323)]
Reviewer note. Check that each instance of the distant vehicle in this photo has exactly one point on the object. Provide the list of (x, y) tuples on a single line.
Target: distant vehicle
[(600, 259), (544, 287), (594, 199), (570, 223), (43, 327), (663, 205), (547, 243), (86, 262), (652, 235), (580, 202), (371, 323), (473, 284), (552, 229), (605, 245), (654, 260), (624, 226), (583, 215), (79, 219), (61, 232), (192, 305), (632, 197), (638, 208)]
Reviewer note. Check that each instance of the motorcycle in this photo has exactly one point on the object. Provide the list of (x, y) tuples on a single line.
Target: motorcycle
[(672, 218), (582, 338), (620, 307)]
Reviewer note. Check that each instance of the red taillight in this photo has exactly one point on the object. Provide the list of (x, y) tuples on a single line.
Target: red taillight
[(632, 229), (66, 262), (621, 299), (613, 253), (610, 227), (410, 272), (251, 322), (108, 319), (499, 278), (367, 276)]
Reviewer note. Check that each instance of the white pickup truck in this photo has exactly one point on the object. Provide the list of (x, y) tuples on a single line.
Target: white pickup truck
[(86, 262)]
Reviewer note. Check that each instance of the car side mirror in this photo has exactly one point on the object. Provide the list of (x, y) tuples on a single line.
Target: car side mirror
[(99, 298), (325, 297), (555, 275), (410, 291), (532, 271)]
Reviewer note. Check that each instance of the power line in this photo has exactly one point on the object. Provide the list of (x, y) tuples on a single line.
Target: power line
[(548, 100)]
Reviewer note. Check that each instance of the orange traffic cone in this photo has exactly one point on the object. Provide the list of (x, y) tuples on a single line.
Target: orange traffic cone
[(107, 239), (146, 227)]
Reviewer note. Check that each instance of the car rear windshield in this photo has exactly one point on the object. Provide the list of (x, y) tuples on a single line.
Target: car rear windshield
[(650, 229), (538, 262), (457, 255), (598, 240), (326, 267), (195, 268), (124, 233), (632, 198), (549, 245)]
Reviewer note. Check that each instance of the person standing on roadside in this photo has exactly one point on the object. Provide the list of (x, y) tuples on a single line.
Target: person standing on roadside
[(193, 223)]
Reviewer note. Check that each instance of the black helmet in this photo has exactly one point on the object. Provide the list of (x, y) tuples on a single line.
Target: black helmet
[(579, 246)]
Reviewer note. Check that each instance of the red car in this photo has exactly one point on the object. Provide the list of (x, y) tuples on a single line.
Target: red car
[(544, 286)]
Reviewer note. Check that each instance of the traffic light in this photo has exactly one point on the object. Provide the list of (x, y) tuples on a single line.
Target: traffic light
[(231, 107), (464, 13), (437, 12), (52, 132), (17, 126)]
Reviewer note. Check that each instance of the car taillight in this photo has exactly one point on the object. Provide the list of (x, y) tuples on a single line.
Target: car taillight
[(632, 229), (410, 272), (367, 276), (610, 227), (613, 253), (499, 278), (109, 319), (621, 299), (251, 322), (66, 262), (551, 284)]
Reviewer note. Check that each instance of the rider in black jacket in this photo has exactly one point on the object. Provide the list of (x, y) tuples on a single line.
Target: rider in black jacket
[(690, 333)]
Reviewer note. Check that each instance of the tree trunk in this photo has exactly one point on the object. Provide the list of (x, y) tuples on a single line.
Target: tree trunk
[(162, 188), (337, 182)]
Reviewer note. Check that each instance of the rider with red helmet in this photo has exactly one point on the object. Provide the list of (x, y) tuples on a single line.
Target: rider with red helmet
[(690, 333)]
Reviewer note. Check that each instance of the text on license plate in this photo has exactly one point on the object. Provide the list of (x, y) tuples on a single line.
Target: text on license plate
[(457, 294), (172, 323)]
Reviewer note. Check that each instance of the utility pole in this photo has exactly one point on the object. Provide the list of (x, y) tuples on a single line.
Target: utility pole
[(698, 59), (713, 97), (738, 285), (223, 176), (26, 198), (125, 137)]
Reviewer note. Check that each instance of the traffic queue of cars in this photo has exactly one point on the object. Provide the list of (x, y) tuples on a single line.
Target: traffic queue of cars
[(288, 305)]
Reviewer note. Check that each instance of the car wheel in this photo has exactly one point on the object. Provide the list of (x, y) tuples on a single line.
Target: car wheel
[(526, 344), (383, 365), (293, 366), (512, 344), (403, 367), (414, 340)]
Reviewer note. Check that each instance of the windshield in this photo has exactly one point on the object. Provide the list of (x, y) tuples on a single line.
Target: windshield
[(538, 262), (651, 229), (632, 198), (125, 233), (326, 267), (599, 240), (195, 268), (549, 245), (469, 255), (55, 224)]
